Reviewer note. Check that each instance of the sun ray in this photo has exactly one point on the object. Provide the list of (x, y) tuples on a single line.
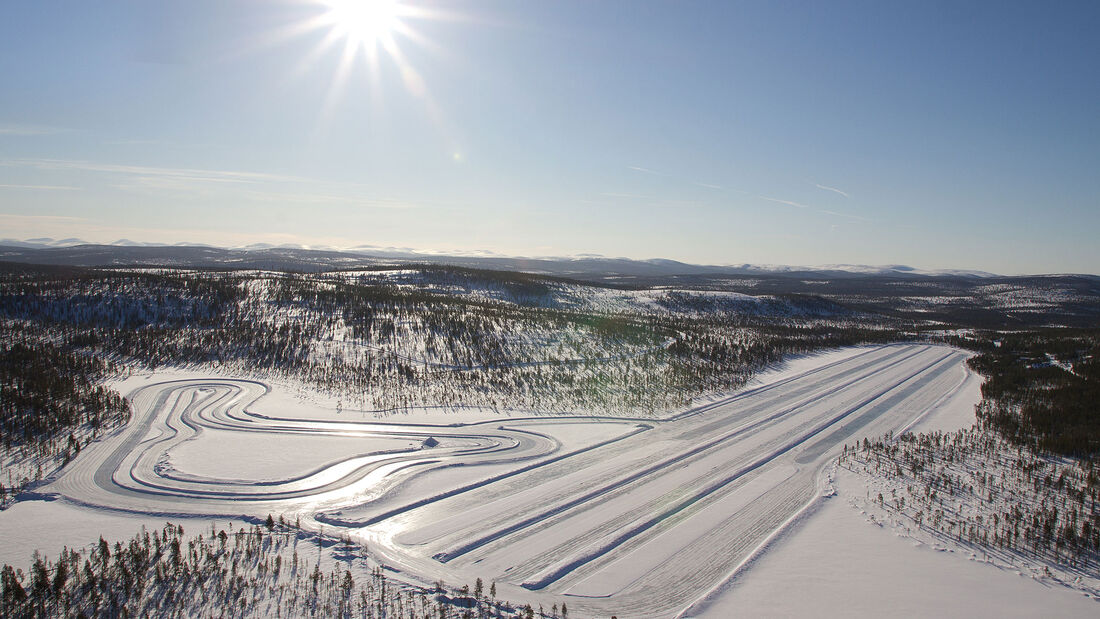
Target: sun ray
[(339, 81), (310, 61), (377, 31)]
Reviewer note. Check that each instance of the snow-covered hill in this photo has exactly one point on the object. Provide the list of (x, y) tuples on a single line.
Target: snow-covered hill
[(124, 251)]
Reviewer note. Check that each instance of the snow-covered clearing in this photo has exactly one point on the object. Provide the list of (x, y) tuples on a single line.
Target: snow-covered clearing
[(49, 526), (839, 564), (632, 517)]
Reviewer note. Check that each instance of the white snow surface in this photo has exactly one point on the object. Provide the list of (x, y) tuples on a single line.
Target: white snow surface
[(50, 526), (839, 564), (699, 512)]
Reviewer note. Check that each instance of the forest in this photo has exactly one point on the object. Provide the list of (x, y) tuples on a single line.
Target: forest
[(51, 405), (387, 346), (974, 487), (270, 569), (1022, 484), (1042, 389), (381, 340)]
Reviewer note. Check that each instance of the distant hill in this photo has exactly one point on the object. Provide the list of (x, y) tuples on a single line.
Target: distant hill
[(125, 252), (970, 298)]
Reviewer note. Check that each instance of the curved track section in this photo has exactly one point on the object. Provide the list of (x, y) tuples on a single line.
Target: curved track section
[(127, 472), (628, 517)]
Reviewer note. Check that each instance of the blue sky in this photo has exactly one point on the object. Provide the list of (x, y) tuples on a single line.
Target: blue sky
[(940, 135)]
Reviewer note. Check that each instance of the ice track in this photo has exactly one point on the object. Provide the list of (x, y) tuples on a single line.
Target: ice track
[(641, 519)]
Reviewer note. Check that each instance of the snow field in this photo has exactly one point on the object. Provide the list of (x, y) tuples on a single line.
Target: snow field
[(837, 564), (615, 516), (273, 456), (611, 508), (49, 526)]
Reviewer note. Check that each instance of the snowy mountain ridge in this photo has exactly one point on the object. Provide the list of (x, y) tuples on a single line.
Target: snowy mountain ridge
[(78, 252)]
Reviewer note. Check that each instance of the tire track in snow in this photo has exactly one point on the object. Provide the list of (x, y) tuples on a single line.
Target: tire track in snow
[(647, 472), (747, 433), (561, 570)]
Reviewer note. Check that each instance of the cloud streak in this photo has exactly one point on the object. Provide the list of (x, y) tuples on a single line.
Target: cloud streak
[(708, 185), (94, 231), (22, 219), (787, 202), (40, 187), (324, 198), (615, 194), (817, 210), (652, 172), (847, 215), (213, 184), (832, 189), (26, 130), (647, 171), (188, 174)]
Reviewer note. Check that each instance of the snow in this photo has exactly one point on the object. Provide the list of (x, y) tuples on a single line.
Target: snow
[(837, 564), (50, 526), (956, 410), (270, 456), (839, 560), (618, 516), (794, 365)]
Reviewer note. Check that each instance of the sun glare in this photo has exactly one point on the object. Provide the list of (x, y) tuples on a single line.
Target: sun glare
[(374, 31), (364, 22)]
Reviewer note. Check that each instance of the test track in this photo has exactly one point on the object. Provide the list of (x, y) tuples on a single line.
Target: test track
[(637, 522)]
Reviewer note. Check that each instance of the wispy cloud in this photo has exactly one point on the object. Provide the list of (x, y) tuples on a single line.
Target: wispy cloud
[(188, 174), (787, 202), (815, 209), (847, 215), (139, 142), (325, 198), (614, 194), (708, 185), (216, 184), (653, 172), (647, 170), (39, 187), (832, 189), (8, 218), (10, 129), (94, 231)]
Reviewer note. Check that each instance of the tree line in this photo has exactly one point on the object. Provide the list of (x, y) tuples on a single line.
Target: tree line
[(269, 569), (51, 405), (1042, 389)]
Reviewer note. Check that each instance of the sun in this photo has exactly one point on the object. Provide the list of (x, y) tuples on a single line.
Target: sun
[(364, 23), (350, 32)]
